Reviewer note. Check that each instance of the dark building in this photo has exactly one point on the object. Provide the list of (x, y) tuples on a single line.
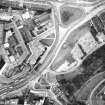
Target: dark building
[(98, 24), (102, 17), (94, 32), (2, 62)]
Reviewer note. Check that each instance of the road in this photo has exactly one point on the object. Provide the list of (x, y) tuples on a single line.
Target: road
[(72, 28), (93, 97)]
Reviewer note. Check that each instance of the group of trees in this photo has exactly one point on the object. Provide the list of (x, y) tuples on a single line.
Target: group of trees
[(90, 68)]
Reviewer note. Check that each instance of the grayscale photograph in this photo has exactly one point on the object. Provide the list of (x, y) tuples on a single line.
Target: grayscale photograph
[(52, 52)]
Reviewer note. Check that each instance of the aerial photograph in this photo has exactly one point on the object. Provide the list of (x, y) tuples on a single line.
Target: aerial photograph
[(52, 52)]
